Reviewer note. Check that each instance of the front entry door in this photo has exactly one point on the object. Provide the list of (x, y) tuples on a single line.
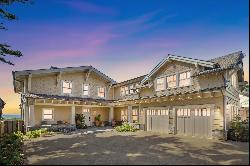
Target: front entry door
[(86, 114)]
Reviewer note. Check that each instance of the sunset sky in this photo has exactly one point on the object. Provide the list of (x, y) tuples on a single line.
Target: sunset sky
[(122, 38)]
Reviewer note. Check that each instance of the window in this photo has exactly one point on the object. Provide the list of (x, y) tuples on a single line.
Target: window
[(126, 90), (171, 81), (135, 117), (131, 89), (124, 115), (48, 114), (234, 80), (67, 87), (184, 79), (101, 92), (122, 90), (85, 89), (160, 84)]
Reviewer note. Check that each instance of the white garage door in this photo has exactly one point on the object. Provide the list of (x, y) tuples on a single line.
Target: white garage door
[(194, 122), (158, 120)]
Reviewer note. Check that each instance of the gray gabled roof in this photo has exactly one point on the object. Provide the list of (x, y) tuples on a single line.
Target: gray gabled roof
[(224, 62), (181, 59), (66, 69), (229, 60)]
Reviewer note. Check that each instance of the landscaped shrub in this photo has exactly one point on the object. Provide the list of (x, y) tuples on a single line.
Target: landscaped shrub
[(11, 149), (125, 127), (80, 121), (239, 130), (37, 133)]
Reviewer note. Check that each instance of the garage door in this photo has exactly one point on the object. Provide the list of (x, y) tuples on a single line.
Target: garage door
[(158, 120), (194, 122)]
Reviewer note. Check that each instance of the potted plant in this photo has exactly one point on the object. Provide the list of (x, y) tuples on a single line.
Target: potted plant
[(80, 121), (113, 123), (98, 120)]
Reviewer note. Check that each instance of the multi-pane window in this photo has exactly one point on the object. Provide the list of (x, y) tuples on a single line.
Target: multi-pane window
[(160, 84), (85, 89), (233, 80), (67, 87), (135, 116), (47, 114), (122, 91), (171, 81), (126, 90), (124, 115), (131, 89), (184, 79), (101, 92)]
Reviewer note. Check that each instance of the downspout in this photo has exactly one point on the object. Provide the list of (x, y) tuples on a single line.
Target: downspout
[(225, 107)]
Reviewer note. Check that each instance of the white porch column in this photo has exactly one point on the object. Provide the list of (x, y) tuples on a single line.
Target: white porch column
[(111, 114), (130, 114), (73, 110), (31, 115)]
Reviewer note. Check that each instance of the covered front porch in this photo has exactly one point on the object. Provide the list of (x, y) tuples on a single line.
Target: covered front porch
[(57, 111)]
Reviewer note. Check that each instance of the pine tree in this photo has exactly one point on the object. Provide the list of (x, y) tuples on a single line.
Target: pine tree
[(5, 49)]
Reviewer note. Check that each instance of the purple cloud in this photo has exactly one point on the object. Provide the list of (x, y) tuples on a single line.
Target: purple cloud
[(88, 7)]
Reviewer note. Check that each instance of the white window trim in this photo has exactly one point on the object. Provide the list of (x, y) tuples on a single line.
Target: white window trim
[(104, 91), (62, 88), (53, 114), (83, 90)]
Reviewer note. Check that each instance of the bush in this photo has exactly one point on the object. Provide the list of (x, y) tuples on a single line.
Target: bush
[(239, 130), (125, 127), (11, 149), (36, 133), (80, 121)]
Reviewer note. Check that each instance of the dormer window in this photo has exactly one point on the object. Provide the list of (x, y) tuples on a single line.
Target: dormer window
[(66, 87), (184, 79), (171, 81)]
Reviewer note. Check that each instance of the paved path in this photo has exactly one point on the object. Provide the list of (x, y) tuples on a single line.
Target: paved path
[(110, 147)]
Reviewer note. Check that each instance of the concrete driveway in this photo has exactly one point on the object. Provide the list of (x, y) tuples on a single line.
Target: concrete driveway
[(110, 147)]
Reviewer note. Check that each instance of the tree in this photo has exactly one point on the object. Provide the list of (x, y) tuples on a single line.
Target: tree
[(5, 49), (2, 103)]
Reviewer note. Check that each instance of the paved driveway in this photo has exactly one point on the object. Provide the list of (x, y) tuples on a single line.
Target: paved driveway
[(110, 147)]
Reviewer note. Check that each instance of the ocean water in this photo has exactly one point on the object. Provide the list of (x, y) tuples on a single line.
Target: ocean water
[(11, 116)]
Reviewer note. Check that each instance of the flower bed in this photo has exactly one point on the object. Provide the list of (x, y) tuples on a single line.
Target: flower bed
[(126, 127)]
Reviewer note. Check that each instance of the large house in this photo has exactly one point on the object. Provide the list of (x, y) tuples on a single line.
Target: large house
[(180, 95)]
